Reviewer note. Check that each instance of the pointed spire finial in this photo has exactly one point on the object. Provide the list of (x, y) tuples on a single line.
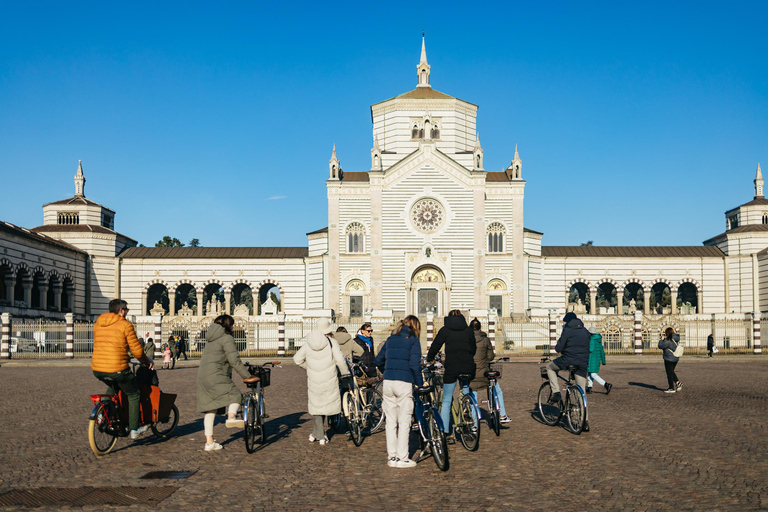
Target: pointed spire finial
[(759, 182), (517, 157), (79, 180), (333, 155), (423, 50), (422, 70)]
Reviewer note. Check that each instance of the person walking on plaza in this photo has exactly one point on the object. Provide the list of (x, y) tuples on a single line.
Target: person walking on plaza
[(400, 361), (669, 344), (176, 350), (573, 347), (364, 339), (711, 345), (215, 389), (596, 357), (483, 357), (113, 339), (460, 348), (321, 356), (183, 347)]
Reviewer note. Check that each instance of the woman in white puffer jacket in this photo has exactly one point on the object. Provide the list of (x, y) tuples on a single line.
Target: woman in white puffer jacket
[(320, 356)]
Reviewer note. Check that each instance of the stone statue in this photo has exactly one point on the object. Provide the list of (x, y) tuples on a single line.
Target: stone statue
[(185, 310), (157, 309)]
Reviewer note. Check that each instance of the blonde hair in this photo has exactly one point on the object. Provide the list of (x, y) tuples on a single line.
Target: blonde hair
[(412, 323)]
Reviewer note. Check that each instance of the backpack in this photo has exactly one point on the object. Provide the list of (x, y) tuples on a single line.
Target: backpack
[(678, 352)]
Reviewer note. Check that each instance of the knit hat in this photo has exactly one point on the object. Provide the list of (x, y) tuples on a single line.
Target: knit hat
[(592, 330), (569, 316), (323, 325)]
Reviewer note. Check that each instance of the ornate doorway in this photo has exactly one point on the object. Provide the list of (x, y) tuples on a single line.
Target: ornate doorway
[(427, 300), (427, 291)]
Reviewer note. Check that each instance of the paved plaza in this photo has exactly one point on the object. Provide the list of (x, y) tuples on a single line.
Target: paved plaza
[(701, 449)]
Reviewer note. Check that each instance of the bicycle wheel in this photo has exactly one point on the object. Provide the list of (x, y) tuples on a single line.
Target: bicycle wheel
[(550, 413), (249, 415), (100, 436), (493, 405), (261, 433), (376, 413), (575, 407), (335, 422), (164, 428), (352, 408), (468, 433), (437, 442)]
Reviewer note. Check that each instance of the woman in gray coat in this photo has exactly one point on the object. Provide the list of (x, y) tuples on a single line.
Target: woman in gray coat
[(215, 389), (669, 344)]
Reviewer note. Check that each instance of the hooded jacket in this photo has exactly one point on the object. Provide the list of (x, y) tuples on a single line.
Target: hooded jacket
[(596, 353), (320, 356), (215, 388), (460, 348), (573, 347), (349, 348), (483, 357), (113, 337), (400, 357)]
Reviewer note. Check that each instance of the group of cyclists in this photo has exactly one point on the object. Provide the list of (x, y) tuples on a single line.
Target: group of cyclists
[(465, 348)]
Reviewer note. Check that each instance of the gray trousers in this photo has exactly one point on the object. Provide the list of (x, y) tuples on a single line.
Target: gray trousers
[(552, 370), (318, 430)]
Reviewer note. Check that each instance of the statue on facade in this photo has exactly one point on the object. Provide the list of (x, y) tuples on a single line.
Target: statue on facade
[(632, 306), (242, 310), (157, 309), (185, 310)]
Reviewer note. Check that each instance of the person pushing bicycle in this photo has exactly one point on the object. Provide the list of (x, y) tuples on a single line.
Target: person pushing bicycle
[(573, 347), (113, 338)]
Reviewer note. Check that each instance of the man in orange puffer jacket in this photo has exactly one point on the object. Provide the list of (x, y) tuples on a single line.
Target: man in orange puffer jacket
[(113, 337)]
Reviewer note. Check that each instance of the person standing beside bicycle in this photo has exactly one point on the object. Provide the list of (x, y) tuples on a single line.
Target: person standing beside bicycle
[(573, 347), (483, 357), (113, 338), (364, 340), (400, 361), (460, 348), (215, 389), (321, 356)]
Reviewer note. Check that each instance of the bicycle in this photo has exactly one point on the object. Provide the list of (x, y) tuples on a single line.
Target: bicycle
[(574, 405), (464, 412), (109, 417), (431, 434), (494, 404), (254, 409), (361, 405)]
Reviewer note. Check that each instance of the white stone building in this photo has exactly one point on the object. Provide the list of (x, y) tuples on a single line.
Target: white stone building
[(426, 228)]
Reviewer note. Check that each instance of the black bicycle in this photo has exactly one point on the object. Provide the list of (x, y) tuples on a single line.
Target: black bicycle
[(494, 403), (573, 405), (254, 409)]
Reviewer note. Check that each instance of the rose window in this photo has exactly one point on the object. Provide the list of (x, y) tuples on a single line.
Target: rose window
[(427, 215)]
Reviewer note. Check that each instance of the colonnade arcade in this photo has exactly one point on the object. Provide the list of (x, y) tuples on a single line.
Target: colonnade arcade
[(659, 296), (213, 297), (35, 288)]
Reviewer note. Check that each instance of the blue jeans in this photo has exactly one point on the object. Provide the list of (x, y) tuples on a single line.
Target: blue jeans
[(445, 407), (499, 395)]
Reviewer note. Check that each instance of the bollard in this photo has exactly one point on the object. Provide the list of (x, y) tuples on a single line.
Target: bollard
[(70, 350), (5, 338), (492, 329), (281, 337), (158, 333), (638, 333), (552, 333), (757, 347)]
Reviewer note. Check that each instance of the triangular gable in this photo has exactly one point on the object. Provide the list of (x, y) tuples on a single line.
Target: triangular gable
[(416, 160)]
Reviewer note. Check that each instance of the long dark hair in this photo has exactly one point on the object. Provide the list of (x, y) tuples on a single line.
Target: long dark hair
[(226, 321), (669, 332)]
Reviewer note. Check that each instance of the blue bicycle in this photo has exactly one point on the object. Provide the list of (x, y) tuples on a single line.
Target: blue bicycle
[(431, 435)]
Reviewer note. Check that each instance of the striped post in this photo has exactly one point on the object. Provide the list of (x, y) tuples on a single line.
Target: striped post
[(159, 333), (492, 328), (757, 346), (70, 351), (430, 327), (638, 333), (5, 338), (552, 332), (281, 337)]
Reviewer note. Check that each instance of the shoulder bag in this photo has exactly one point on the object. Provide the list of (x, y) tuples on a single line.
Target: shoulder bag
[(678, 352)]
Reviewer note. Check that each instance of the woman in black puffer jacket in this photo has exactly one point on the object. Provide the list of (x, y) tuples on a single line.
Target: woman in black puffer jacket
[(460, 347)]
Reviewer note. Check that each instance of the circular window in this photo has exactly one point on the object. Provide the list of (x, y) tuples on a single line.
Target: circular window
[(427, 215)]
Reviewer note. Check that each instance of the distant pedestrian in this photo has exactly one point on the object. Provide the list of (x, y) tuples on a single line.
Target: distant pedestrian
[(183, 347), (149, 348), (596, 357), (167, 358), (711, 345), (321, 356), (176, 350), (668, 344)]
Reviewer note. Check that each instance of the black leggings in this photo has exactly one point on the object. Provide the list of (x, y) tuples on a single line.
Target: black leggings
[(669, 366)]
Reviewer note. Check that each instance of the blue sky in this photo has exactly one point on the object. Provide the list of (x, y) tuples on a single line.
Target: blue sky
[(637, 124)]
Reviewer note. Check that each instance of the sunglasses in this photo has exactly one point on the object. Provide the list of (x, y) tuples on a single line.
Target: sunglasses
[(367, 330)]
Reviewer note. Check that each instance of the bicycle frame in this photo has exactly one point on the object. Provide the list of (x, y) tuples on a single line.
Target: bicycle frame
[(473, 402)]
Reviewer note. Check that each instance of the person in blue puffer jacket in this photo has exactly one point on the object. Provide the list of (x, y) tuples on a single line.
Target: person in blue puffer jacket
[(400, 361)]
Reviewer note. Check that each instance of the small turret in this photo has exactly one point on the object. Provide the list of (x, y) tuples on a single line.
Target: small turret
[(334, 167), (758, 183), (422, 70), (477, 155), (514, 171), (376, 155), (79, 180)]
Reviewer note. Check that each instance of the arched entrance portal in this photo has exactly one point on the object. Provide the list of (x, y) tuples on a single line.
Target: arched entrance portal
[(428, 291)]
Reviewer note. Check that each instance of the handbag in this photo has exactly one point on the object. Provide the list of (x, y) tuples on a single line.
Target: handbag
[(715, 350)]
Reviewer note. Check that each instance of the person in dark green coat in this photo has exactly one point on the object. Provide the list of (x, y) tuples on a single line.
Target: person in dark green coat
[(596, 357), (215, 389)]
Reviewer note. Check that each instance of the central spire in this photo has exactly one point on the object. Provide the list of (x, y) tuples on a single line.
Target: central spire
[(79, 180), (422, 70)]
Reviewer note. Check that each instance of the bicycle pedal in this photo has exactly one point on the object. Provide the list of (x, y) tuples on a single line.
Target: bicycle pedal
[(265, 416)]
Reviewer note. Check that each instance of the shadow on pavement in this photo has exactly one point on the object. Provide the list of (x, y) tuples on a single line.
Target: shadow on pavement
[(643, 385)]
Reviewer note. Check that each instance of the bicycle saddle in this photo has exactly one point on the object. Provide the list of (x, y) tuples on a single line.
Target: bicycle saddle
[(572, 368), (466, 376), (425, 390), (108, 381), (491, 374)]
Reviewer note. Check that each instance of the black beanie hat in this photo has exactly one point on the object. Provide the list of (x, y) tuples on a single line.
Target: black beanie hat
[(569, 316)]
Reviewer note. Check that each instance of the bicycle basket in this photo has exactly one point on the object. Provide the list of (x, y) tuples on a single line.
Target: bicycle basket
[(264, 376), (497, 367)]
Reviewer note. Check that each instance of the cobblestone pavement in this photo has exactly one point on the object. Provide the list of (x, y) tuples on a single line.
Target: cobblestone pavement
[(701, 449)]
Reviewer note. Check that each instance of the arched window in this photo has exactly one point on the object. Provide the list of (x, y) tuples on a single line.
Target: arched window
[(68, 218), (496, 237), (765, 218), (415, 132), (436, 131), (355, 237)]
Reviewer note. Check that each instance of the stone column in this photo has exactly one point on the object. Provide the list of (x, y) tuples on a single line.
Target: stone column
[(70, 350), (5, 336), (43, 288), (58, 287), (492, 328), (619, 301), (26, 283), (172, 303), (699, 302), (200, 303), (647, 302), (144, 303), (757, 347), (281, 336), (10, 286), (227, 301), (638, 333), (673, 302), (553, 332), (592, 302)]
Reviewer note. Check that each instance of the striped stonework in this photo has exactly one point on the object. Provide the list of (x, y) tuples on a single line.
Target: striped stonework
[(159, 333), (281, 337), (552, 334), (638, 333), (430, 328), (492, 330), (757, 346), (6, 336), (70, 350)]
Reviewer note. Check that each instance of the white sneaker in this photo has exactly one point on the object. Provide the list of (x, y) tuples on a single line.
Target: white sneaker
[(312, 438), (670, 390), (505, 419), (213, 447), (235, 423), (135, 434), (405, 463), (324, 440), (392, 462)]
